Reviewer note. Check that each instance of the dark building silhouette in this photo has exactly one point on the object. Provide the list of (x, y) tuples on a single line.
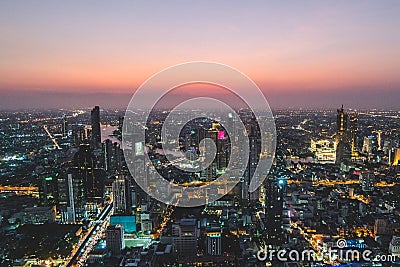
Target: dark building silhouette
[(122, 195), (108, 155), (71, 197), (273, 212), (346, 134), (64, 127), (115, 239), (85, 166), (48, 189), (96, 131)]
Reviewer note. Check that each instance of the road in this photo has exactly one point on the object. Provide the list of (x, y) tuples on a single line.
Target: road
[(95, 231)]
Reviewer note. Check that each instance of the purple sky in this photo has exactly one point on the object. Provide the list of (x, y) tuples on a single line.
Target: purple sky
[(300, 53)]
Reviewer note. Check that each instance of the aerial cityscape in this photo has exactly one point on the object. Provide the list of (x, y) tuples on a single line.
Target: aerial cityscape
[(199, 133), (68, 198)]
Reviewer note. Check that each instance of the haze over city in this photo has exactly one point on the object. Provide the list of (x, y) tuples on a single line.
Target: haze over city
[(199, 133)]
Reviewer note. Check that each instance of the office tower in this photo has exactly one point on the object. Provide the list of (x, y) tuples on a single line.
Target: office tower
[(122, 199), (115, 239), (64, 127), (210, 172), (84, 165), (367, 181), (220, 139), (214, 240), (352, 133), (341, 123), (185, 238), (273, 212), (108, 155), (71, 198), (118, 158), (379, 139), (79, 135), (96, 131), (346, 134), (254, 156), (367, 145), (119, 195), (47, 184)]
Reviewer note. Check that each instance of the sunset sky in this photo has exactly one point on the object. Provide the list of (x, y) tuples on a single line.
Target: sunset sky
[(300, 53)]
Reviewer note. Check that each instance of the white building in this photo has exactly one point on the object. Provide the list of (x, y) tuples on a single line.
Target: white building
[(324, 150)]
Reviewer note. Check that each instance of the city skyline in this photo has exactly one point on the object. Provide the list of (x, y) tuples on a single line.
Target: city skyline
[(314, 51), (212, 133)]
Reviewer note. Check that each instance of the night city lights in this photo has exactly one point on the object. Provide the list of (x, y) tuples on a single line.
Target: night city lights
[(199, 133)]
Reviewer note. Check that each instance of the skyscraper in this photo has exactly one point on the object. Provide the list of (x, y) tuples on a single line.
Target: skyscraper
[(71, 198), (107, 154), (214, 240), (273, 210), (47, 189), (85, 166), (341, 123), (64, 127), (254, 156), (346, 134), (352, 133), (367, 181), (96, 131), (185, 238), (367, 145), (115, 239), (122, 196)]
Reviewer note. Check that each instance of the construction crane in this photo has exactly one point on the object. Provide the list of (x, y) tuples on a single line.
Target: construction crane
[(51, 137)]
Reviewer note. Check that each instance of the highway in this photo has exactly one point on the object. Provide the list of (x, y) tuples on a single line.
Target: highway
[(20, 190), (85, 246)]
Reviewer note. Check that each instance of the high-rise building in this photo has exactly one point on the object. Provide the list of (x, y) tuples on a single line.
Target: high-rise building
[(352, 134), (96, 131), (108, 155), (273, 212), (367, 181), (185, 238), (115, 239), (254, 156), (71, 198), (214, 241), (81, 187), (79, 135), (122, 196), (346, 135), (85, 166), (367, 145), (48, 188), (341, 123), (64, 127)]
